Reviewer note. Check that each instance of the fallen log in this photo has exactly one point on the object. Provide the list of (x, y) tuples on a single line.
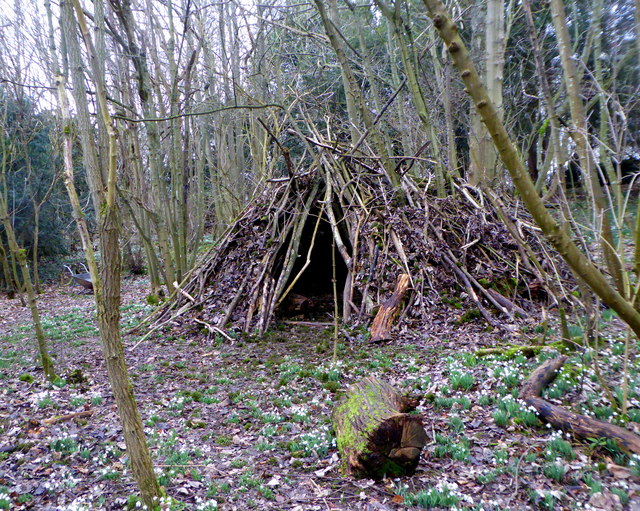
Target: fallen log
[(375, 435), (383, 322), (579, 425)]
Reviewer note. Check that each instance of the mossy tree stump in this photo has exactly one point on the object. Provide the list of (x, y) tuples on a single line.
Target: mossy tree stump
[(375, 435)]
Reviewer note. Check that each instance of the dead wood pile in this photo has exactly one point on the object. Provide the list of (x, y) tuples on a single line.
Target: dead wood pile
[(471, 253)]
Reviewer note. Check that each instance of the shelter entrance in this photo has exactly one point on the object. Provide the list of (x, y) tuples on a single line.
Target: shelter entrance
[(312, 293)]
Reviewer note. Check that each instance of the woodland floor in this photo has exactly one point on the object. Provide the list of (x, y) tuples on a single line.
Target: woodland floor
[(246, 425)]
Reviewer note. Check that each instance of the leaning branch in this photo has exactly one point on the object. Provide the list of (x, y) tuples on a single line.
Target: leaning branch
[(552, 230)]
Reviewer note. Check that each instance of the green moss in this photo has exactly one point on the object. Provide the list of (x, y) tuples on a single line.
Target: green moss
[(153, 299), (332, 386), (353, 409), (468, 316)]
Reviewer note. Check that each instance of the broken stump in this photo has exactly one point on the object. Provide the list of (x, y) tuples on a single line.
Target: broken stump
[(383, 322), (375, 435)]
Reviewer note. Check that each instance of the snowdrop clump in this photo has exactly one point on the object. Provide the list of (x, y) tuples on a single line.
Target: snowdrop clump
[(206, 505), (299, 413), (79, 504), (61, 478), (317, 442), (5, 501), (39, 397), (65, 443), (445, 494), (634, 464), (176, 403)]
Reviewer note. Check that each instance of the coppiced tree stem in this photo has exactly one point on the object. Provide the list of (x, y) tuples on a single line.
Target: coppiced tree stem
[(107, 292)]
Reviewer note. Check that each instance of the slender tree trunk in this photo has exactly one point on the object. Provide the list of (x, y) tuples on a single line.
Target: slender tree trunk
[(21, 255), (367, 66), (556, 149), (580, 136), (410, 66), (452, 160), (408, 146), (495, 45), (12, 286), (477, 132), (353, 92), (160, 200), (107, 284), (36, 240)]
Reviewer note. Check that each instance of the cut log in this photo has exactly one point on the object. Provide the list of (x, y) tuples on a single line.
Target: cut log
[(383, 322), (579, 425), (375, 435)]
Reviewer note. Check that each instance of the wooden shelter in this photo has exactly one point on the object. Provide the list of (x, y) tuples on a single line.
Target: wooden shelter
[(341, 222)]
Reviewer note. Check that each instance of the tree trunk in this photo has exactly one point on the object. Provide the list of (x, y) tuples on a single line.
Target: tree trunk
[(354, 94), (12, 286), (494, 45), (107, 288), (555, 148), (160, 212), (410, 65), (375, 435), (580, 135), (20, 255)]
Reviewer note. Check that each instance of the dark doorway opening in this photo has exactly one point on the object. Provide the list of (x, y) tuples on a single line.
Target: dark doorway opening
[(312, 294)]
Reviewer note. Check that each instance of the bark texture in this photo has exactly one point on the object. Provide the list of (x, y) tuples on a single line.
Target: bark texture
[(107, 289)]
